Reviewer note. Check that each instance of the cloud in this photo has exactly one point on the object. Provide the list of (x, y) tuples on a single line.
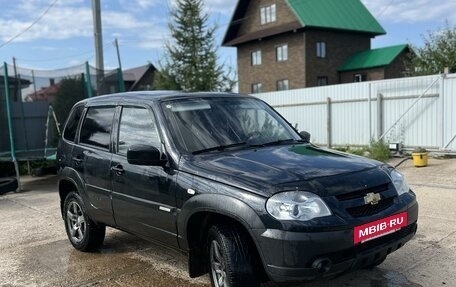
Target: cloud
[(417, 11), (65, 21), (221, 6)]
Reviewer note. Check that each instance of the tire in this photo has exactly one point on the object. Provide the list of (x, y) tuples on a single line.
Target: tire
[(230, 258), (84, 234), (8, 184)]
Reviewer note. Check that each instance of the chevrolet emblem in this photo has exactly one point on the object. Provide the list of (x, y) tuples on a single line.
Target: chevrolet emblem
[(372, 198)]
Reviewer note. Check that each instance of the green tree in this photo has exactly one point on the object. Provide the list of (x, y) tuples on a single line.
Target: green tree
[(437, 53), (190, 62), (71, 91)]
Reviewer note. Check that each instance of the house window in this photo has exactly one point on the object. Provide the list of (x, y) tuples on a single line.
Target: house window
[(257, 88), (321, 50), (282, 85), (360, 78), (256, 58), (282, 53), (322, 81), (268, 14)]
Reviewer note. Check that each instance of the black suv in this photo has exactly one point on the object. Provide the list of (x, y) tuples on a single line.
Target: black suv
[(228, 181)]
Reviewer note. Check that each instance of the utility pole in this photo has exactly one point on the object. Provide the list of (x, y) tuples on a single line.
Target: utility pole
[(119, 72), (98, 36)]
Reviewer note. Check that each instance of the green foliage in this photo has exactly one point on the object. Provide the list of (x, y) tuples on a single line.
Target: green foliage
[(437, 53), (191, 56), (379, 151), (71, 91)]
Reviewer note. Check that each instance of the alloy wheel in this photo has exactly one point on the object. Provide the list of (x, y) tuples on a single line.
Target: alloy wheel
[(76, 222), (218, 268)]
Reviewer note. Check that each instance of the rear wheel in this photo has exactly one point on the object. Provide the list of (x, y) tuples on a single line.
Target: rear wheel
[(83, 233), (8, 185), (229, 253)]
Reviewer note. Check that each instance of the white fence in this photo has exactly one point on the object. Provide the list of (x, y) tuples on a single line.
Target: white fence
[(417, 112)]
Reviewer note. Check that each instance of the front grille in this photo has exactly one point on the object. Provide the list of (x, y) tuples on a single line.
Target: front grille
[(369, 209), (353, 201), (362, 193)]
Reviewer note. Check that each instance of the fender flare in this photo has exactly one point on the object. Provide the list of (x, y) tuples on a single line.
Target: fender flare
[(219, 204)]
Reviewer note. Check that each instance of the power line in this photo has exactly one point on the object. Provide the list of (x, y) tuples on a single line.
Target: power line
[(30, 26), (90, 53), (386, 8)]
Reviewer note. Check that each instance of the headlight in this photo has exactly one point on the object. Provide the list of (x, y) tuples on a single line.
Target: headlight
[(399, 182), (296, 205)]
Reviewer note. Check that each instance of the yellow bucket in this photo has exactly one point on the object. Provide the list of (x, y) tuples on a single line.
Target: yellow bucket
[(420, 159)]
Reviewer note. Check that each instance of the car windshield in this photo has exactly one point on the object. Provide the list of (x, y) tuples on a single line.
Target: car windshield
[(217, 123)]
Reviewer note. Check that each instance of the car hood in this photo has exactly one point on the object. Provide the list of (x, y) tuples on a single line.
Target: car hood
[(269, 170)]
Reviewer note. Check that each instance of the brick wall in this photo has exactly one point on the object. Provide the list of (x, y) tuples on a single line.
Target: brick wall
[(270, 71), (397, 68), (252, 17), (339, 47), (371, 75)]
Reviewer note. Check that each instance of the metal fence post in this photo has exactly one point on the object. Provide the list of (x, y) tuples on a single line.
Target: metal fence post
[(379, 116), (369, 102), (329, 122), (88, 81), (442, 107), (10, 128)]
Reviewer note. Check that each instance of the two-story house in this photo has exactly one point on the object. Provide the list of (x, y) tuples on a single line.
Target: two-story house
[(290, 44)]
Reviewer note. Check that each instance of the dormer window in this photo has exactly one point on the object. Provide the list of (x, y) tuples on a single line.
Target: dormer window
[(268, 14)]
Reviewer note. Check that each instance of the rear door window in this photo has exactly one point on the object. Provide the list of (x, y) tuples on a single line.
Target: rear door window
[(97, 126), (70, 130), (137, 126)]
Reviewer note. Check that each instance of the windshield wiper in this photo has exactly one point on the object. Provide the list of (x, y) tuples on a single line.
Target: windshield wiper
[(219, 148), (278, 142)]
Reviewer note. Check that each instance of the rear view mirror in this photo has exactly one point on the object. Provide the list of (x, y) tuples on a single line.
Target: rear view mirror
[(305, 136), (145, 155)]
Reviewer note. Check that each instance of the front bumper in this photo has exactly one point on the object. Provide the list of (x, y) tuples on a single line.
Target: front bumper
[(295, 256)]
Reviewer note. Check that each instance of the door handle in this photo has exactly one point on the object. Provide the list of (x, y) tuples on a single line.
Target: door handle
[(118, 169), (77, 159)]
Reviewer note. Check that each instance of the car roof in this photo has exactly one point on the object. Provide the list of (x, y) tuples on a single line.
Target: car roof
[(148, 96)]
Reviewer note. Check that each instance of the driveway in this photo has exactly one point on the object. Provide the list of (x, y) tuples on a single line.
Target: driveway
[(34, 250)]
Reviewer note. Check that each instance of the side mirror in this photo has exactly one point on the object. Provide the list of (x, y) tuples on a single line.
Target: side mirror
[(145, 155), (305, 136)]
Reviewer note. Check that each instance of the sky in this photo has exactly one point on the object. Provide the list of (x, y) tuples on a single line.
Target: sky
[(63, 37)]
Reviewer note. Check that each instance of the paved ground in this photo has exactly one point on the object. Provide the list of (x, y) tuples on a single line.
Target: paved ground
[(34, 250)]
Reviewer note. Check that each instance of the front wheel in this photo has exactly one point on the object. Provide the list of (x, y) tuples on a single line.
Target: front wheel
[(83, 233), (230, 263)]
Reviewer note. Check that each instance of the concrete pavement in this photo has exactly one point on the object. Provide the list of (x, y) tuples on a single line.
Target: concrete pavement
[(34, 250)]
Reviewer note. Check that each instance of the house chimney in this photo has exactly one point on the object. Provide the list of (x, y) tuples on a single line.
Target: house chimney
[(51, 82)]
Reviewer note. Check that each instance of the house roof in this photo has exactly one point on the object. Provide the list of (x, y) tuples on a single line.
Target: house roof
[(133, 75), (373, 58), (347, 15)]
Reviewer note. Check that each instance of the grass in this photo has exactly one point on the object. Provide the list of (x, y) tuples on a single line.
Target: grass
[(377, 150)]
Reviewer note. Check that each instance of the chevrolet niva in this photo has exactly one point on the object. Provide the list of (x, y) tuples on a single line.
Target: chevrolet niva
[(229, 182)]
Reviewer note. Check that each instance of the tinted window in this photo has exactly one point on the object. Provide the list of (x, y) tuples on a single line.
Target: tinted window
[(97, 126), (137, 126), (197, 124), (70, 130)]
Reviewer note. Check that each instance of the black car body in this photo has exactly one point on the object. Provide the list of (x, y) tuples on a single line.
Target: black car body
[(288, 210)]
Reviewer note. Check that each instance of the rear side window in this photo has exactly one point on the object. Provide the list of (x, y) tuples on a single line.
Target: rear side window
[(97, 126), (70, 130), (137, 126)]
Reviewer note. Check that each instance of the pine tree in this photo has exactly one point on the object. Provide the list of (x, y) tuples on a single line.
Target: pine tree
[(191, 55)]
